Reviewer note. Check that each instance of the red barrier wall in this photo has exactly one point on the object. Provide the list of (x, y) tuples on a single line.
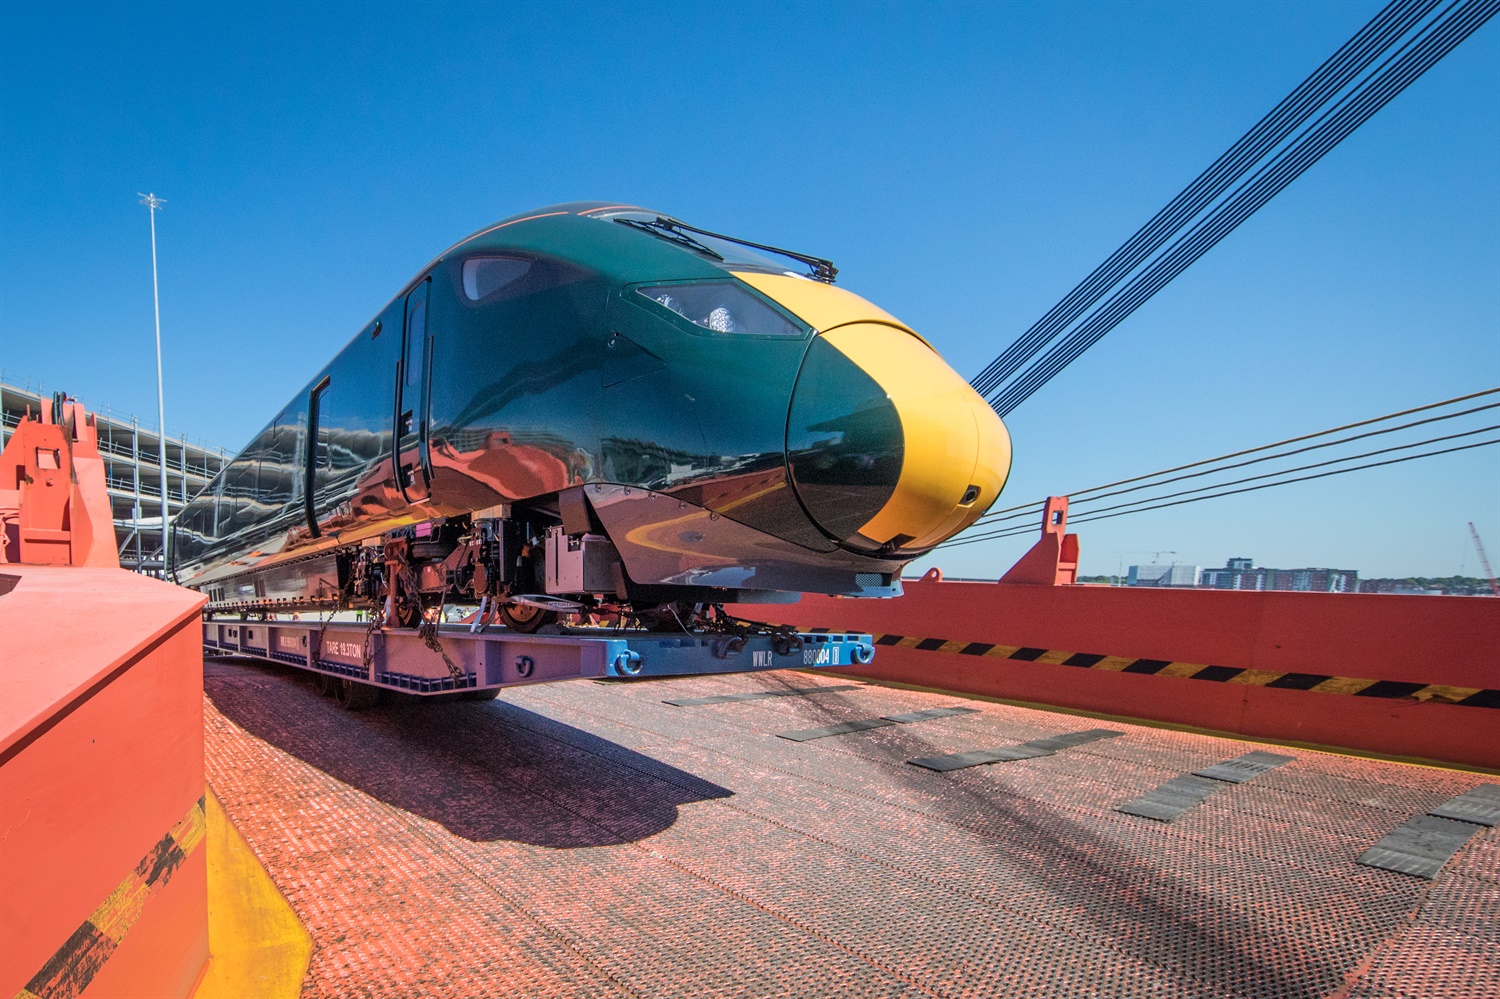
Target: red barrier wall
[(102, 873), (1431, 640)]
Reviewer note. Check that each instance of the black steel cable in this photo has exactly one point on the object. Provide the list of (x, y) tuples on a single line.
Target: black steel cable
[(1332, 76), (1332, 128), (1028, 508), (1304, 138), (1304, 450), (1088, 518), (1352, 111), (1254, 461), (1414, 58), (1287, 471)]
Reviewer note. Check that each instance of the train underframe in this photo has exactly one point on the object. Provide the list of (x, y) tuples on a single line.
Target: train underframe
[(523, 567)]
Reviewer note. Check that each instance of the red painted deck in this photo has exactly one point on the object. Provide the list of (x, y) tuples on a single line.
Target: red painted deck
[(584, 839)]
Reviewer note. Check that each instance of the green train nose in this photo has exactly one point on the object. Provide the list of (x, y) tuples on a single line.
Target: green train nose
[(844, 443), (889, 449)]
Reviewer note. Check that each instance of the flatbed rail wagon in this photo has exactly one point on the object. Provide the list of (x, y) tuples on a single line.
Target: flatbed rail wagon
[(356, 661)]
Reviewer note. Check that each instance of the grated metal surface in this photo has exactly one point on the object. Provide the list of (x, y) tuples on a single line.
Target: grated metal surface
[(839, 728), (755, 695), (588, 840)]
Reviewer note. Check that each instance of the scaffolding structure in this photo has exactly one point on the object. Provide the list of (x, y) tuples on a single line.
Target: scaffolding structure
[(133, 474)]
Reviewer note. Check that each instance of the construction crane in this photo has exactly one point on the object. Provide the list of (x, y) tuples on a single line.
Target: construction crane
[(1484, 561)]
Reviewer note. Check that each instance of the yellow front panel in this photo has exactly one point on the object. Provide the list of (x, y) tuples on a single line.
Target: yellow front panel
[(953, 439)]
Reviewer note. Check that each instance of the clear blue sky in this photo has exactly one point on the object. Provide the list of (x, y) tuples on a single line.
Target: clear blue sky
[(964, 164)]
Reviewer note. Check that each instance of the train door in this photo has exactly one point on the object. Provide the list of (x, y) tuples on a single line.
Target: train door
[(413, 378), (314, 456)]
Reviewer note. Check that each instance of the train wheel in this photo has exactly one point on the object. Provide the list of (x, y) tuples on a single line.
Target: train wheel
[(482, 695), (357, 696), (525, 618), (325, 684), (408, 612)]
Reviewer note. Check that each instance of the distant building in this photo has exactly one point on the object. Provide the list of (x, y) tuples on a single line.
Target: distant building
[(1449, 586), (1175, 574), (1241, 574)]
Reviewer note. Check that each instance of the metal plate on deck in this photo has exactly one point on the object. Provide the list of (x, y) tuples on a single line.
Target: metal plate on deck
[(1068, 740), (1419, 846), (958, 761), (1480, 806), (916, 716), (1171, 799), (1009, 754), (692, 702), (1182, 793), (1243, 768)]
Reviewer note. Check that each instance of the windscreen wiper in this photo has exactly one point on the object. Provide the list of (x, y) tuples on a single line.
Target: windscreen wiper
[(669, 233), (818, 268)]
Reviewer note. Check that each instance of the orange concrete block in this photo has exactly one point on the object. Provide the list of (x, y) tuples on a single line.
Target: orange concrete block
[(102, 878)]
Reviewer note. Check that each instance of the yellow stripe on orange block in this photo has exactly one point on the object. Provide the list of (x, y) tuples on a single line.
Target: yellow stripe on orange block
[(120, 911), (189, 832), (75, 964)]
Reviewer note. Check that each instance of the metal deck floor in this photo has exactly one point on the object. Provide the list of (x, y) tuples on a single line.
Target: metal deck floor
[(585, 839)]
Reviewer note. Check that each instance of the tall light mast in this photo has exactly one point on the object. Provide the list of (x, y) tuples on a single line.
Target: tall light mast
[(152, 202)]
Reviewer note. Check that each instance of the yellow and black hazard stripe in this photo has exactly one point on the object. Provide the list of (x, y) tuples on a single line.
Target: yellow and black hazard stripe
[(1317, 682), (69, 971)]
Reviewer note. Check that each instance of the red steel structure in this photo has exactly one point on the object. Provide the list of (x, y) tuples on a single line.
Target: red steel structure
[(1413, 676), (54, 509)]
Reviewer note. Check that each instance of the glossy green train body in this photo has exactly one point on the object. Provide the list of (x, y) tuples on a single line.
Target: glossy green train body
[(695, 420)]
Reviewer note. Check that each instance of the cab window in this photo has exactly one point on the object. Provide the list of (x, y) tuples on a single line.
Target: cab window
[(484, 276), (721, 307)]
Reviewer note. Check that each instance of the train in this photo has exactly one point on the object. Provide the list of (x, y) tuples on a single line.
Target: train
[(598, 412)]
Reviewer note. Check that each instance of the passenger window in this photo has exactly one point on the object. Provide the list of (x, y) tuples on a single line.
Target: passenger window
[(722, 307), (483, 276), (416, 342)]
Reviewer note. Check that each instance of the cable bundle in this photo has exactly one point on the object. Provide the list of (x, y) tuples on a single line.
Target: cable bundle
[(1084, 504), (1406, 38)]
